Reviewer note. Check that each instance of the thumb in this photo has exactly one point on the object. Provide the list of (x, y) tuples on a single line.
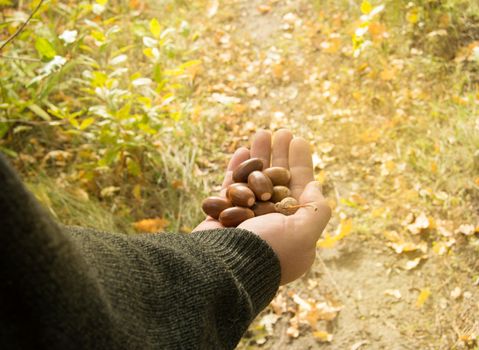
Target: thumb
[(316, 215)]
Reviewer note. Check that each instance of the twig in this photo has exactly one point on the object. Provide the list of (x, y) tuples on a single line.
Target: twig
[(28, 59), (19, 30)]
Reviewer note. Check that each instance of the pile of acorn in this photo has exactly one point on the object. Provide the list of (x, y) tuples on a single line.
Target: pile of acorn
[(254, 192)]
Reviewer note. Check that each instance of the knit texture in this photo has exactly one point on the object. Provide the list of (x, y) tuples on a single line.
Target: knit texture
[(77, 288)]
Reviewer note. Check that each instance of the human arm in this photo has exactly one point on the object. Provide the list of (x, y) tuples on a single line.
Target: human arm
[(77, 288)]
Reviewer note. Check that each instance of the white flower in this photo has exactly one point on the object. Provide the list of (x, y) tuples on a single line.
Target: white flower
[(149, 42), (118, 59), (98, 9), (56, 63), (141, 81), (361, 31), (69, 36)]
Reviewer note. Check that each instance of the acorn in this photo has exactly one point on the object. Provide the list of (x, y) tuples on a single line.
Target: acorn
[(214, 205), (279, 193), (232, 217), (279, 176), (261, 185), (240, 195), (240, 174), (263, 208), (287, 206), (234, 184)]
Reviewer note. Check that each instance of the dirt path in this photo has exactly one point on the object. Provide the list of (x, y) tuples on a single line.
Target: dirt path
[(360, 294)]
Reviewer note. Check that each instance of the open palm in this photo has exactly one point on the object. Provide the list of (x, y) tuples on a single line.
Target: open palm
[(293, 238)]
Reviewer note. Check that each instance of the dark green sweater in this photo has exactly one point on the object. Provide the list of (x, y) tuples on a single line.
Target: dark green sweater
[(76, 288)]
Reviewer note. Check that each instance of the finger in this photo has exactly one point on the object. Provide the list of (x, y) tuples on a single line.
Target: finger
[(300, 165), (280, 150), (317, 213), (261, 147), (240, 155), (208, 224)]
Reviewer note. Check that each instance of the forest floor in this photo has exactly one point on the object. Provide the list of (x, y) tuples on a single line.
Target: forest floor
[(403, 273)]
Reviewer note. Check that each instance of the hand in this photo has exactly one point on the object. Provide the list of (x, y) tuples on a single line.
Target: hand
[(293, 238)]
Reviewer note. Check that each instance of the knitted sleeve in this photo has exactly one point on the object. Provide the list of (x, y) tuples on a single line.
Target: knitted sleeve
[(76, 288)]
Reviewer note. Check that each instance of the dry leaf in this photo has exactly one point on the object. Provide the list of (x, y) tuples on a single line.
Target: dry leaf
[(292, 332), (213, 8), (268, 321), (343, 230), (422, 297), (396, 293), (151, 225), (467, 230), (421, 223), (323, 336), (109, 191), (411, 264), (264, 9), (456, 293)]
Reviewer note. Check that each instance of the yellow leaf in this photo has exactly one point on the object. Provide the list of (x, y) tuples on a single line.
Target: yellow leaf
[(366, 7), (155, 27), (148, 52), (323, 336), (413, 16), (101, 2), (422, 297), (321, 177), (86, 123), (377, 212), (137, 192), (344, 229), (151, 225), (388, 74)]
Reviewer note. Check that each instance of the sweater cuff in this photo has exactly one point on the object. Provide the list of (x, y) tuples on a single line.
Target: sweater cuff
[(250, 259)]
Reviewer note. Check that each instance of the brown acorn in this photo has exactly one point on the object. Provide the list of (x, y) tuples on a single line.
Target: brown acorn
[(263, 208), (240, 174), (279, 193), (214, 205), (261, 185), (232, 217), (240, 195), (279, 176), (234, 185)]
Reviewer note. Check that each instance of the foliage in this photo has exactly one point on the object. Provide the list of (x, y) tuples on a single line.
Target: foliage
[(105, 79)]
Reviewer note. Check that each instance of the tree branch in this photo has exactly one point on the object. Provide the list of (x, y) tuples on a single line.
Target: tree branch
[(19, 30)]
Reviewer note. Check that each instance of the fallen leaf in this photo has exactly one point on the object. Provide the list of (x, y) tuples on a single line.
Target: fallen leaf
[(396, 293), (343, 230), (422, 297), (411, 264), (264, 9), (466, 229), (151, 225), (109, 191), (323, 336), (421, 223), (456, 293), (268, 321), (357, 345)]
